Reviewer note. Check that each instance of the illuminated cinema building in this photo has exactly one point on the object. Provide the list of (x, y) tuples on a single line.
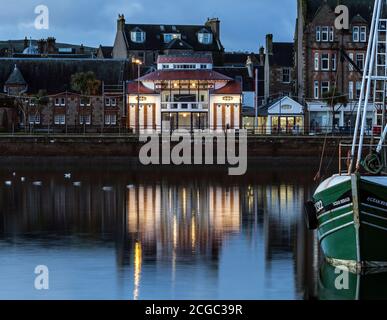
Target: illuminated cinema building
[(187, 92)]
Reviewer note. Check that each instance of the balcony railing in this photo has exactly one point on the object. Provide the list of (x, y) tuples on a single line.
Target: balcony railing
[(184, 106)]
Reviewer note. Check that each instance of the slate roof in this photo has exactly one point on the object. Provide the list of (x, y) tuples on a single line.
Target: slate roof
[(283, 54), (362, 7), (238, 59), (181, 58), (16, 78), (107, 51), (237, 73), (154, 37), (170, 75), (54, 75), (178, 44)]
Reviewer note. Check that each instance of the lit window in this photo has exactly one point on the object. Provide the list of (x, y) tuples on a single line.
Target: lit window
[(316, 61), (205, 38), (168, 37), (137, 36), (350, 90)]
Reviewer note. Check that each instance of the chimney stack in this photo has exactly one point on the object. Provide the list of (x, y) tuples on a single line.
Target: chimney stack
[(261, 56), (51, 45), (214, 24), (25, 42), (121, 23), (269, 44)]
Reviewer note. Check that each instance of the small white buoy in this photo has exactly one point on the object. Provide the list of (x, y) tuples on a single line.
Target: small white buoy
[(37, 183), (67, 175), (107, 189), (8, 183), (22, 179), (130, 186), (14, 174), (77, 184)]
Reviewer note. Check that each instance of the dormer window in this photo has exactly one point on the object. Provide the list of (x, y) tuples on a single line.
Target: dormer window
[(205, 37), (137, 36), (168, 37)]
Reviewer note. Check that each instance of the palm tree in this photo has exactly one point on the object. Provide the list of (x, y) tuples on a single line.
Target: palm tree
[(335, 101)]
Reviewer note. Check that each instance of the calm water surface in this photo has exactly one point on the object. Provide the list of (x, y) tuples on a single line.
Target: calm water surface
[(149, 234)]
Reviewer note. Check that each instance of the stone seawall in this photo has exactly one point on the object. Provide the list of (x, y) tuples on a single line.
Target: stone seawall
[(97, 146)]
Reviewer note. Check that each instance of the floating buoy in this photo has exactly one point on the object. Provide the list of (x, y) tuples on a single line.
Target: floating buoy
[(8, 183), (37, 183), (22, 179), (14, 174), (77, 184), (67, 175)]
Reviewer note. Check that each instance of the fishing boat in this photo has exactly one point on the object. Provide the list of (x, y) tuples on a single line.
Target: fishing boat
[(349, 209)]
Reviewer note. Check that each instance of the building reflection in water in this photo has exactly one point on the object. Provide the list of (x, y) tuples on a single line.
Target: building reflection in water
[(174, 229)]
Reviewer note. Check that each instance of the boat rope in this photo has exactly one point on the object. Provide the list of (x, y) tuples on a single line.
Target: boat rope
[(318, 177)]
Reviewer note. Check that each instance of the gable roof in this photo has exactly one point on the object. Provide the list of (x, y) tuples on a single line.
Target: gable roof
[(134, 87), (185, 58), (107, 51), (170, 75), (178, 44), (283, 54), (233, 87), (154, 37)]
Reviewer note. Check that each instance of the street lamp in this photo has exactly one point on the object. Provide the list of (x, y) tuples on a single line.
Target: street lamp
[(138, 62)]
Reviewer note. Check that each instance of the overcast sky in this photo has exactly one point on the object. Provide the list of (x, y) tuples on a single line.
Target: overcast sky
[(244, 23)]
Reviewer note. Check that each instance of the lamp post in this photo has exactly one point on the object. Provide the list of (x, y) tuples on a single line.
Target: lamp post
[(138, 62)]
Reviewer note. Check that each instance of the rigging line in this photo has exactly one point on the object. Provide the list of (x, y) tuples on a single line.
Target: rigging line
[(318, 175)]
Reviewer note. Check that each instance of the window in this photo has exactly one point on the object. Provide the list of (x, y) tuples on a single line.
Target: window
[(316, 61), (358, 89), (324, 87), (60, 119), (137, 36), (205, 38), (286, 75), (203, 66), (316, 90), (165, 66), (350, 90), (85, 119), (363, 34), (34, 118), (168, 37), (334, 62), (184, 66), (318, 34), (325, 34), (85, 102), (331, 34), (325, 61), (110, 102), (360, 60), (110, 119), (350, 66), (60, 102), (355, 34)]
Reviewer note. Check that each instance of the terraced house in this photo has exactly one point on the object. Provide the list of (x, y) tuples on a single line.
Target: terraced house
[(147, 41), (328, 58)]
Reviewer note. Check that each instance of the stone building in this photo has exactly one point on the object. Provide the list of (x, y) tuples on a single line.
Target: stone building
[(279, 69), (147, 41), (328, 58), (63, 109)]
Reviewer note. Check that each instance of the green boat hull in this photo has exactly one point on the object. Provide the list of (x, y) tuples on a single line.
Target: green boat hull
[(352, 221)]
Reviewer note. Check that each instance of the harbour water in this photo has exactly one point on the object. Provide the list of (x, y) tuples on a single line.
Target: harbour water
[(109, 232)]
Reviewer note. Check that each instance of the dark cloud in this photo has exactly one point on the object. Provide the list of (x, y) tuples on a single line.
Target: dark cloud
[(244, 23)]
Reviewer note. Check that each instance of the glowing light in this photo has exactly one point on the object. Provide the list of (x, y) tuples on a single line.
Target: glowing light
[(137, 269)]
